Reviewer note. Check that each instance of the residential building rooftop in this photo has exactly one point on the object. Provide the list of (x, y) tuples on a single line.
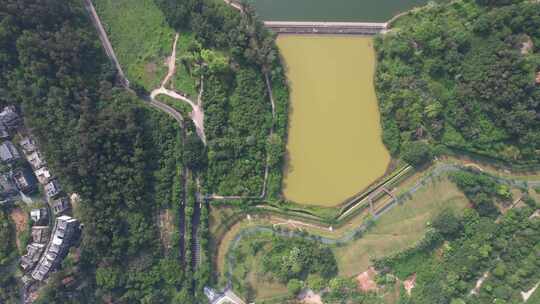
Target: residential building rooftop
[(8, 190), (40, 234), (33, 252), (9, 117), (8, 152), (60, 205), (28, 144), (57, 248), (36, 160), (4, 132), (39, 215), (24, 180), (43, 175), (52, 189)]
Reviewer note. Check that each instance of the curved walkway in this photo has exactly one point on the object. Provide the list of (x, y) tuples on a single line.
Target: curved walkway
[(437, 170), (109, 50), (197, 113)]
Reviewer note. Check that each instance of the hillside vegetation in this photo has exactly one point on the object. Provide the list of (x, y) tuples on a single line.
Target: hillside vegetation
[(8, 284), (102, 143), (140, 36), (461, 249), (462, 75), (238, 113)]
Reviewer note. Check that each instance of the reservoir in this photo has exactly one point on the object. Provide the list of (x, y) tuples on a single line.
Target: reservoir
[(334, 145), (333, 10)]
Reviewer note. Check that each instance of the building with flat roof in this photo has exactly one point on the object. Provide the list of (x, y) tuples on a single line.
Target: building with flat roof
[(60, 205), (10, 118), (4, 132), (40, 215), (28, 144), (52, 189), (24, 181), (40, 234), (8, 190), (43, 175), (62, 238), (8, 152), (36, 160), (33, 253)]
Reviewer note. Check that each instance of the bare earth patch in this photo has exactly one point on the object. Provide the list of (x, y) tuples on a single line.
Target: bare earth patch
[(527, 46), (20, 218), (75, 200), (409, 284), (310, 297), (166, 229), (479, 283), (366, 280)]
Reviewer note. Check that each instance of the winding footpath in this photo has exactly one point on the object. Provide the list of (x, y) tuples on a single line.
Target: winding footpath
[(438, 170), (197, 112), (151, 100)]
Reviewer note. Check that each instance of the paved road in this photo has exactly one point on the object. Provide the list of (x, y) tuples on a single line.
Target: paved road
[(438, 170), (197, 112), (105, 41)]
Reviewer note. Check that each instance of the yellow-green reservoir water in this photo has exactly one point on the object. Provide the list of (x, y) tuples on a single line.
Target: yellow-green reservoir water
[(334, 146)]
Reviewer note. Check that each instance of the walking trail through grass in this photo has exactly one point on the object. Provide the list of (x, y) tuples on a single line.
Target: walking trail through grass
[(401, 226), (197, 113)]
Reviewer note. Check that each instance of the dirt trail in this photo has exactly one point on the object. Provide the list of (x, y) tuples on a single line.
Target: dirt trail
[(20, 218), (235, 4), (366, 280), (197, 113), (479, 283), (528, 294), (171, 63), (409, 284), (270, 95)]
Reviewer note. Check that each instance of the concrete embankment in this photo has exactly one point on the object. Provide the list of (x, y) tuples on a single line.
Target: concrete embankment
[(343, 28)]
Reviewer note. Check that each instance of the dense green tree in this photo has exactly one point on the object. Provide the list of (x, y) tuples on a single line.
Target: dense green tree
[(455, 74), (297, 258), (447, 223), (294, 286), (417, 153), (194, 152)]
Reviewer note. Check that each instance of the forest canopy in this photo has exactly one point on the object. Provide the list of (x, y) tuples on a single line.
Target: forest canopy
[(463, 75)]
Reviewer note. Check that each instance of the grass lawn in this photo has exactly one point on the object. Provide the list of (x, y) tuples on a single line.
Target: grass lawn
[(140, 36), (252, 283), (400, 228), (397, 230), (182, 80)]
